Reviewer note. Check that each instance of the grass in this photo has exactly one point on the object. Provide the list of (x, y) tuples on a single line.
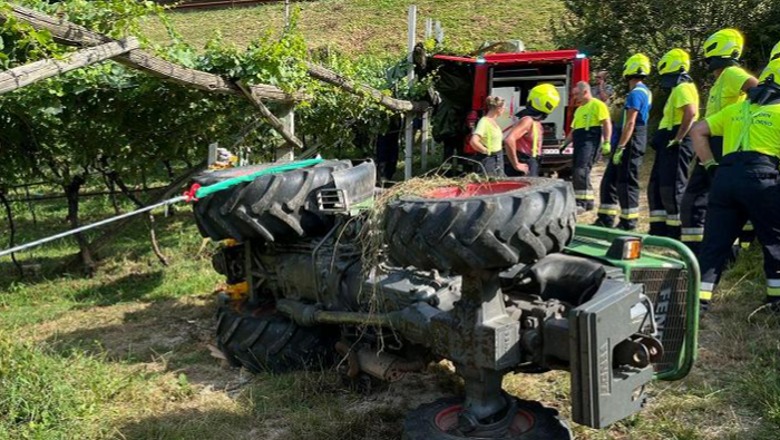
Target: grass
[(125, 354), (373, 26)]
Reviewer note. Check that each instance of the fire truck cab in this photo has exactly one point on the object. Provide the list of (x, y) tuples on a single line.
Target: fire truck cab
[(511, 76)]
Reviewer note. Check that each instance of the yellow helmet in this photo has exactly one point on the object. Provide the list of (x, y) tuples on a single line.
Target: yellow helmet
[(726, 43), (775, 54), (637, 65), (544, 98), (772, 70), (674, 61)]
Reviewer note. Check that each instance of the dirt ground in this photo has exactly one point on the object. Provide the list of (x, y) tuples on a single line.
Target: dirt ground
[(178, 388)]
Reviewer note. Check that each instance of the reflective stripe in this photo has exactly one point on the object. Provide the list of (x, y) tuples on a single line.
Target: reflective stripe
[(705, 295), (673, 220), (707, 286), (773, 291), (584, 195), (773, 282), (609, 209), (748, 227), (692, 231), (691, 238), (630, 214), (657, 216)]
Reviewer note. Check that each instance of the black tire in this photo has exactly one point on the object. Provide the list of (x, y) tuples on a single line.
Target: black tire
[(275, 207), (429, 422), (519, 221), (272, 343)]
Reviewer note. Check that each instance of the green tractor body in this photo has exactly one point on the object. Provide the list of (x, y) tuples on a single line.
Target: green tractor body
[(493, 276)]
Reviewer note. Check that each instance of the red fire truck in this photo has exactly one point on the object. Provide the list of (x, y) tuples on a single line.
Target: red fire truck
[(511, 76)]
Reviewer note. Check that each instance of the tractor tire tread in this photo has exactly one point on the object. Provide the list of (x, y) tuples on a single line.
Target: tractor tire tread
[(485, 232), (271, 342)]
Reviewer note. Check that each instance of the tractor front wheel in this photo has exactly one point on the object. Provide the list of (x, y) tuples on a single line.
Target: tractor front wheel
[(439, 420)]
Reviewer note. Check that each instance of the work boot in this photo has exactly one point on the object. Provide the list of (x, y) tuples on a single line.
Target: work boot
[(704, 306), (626, 226), (602, 223), (774, 303), (769, 310)]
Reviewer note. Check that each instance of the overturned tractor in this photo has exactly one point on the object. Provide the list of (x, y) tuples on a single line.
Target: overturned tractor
[(493, 276)]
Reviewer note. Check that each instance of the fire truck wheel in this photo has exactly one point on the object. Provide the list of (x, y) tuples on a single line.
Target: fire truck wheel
[(269, 342), (274, 207), (439, 421), (481, 226)]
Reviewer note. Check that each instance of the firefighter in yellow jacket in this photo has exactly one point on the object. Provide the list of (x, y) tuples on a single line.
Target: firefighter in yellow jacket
[(746, 182), (672, 144), (591, 129), (721, 51)]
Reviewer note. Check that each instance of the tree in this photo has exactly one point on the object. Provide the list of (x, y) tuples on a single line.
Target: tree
[(611, 30)]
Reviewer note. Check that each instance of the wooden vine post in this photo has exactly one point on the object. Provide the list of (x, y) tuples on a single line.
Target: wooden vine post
[(409, 117)]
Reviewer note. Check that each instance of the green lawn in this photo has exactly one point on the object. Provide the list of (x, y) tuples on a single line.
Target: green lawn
[(126, 352), (374, 26)]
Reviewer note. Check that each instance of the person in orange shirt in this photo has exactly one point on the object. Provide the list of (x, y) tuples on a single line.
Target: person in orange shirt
[(523, 143)]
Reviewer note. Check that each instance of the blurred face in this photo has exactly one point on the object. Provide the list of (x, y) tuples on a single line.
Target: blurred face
[(581, 95), (498, 111)]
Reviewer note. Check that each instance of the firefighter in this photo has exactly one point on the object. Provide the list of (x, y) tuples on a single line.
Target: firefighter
[(591, 129), (721, 51), (774, 54), (672, 144), (619, 191), (746, 184), (525, 137)]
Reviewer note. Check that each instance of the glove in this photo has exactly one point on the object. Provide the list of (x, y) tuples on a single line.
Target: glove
[(617, 156), (673, 143), (711, 166), (605, 148)]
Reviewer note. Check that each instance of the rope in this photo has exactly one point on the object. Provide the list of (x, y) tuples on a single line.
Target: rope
[(201, 192), (195, 192), (90, 226)]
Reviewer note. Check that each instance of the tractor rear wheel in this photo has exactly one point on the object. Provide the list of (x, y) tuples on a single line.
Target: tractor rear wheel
[(439, 421), (481, 226), (269, 342), (274, 207)]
